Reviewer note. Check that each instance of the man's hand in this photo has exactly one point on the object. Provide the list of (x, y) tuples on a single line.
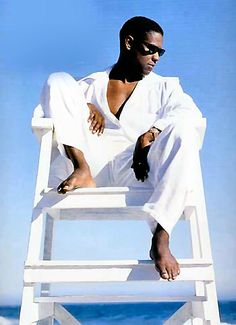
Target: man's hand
[(96, 119), (140, 163)]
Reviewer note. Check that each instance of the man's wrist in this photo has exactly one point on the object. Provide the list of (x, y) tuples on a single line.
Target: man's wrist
[(154, 131)]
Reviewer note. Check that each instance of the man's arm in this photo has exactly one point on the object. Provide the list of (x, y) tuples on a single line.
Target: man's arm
[(140, 164), (178, 107)]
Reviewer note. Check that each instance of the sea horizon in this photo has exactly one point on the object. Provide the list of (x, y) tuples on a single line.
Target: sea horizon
[(122, 313)]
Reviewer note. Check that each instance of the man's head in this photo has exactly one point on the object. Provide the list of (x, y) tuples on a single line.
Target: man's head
[(138, 27), (141, 43)]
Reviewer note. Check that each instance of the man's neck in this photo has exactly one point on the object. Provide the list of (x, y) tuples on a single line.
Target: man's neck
[(125, 71)]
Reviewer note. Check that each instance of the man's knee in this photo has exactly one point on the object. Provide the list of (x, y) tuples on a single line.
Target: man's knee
[(57, 79), (184, 133)]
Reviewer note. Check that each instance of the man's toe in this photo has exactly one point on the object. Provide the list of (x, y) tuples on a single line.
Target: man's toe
[(64, 187), (169, 272), (177, 270), (164, 274), (173, 275), (60, 189)]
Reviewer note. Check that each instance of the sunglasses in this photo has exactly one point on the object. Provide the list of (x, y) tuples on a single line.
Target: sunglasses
[(149, 49)]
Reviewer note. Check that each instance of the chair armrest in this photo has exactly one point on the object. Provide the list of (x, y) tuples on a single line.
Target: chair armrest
[(41, 126), (40, 123)]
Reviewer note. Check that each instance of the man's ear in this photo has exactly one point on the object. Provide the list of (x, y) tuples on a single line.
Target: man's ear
[(129, 40)]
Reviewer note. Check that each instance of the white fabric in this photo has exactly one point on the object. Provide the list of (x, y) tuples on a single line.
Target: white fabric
[(155, 101)]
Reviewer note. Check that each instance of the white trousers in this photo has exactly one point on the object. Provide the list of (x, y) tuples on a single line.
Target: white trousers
[(171, 158)]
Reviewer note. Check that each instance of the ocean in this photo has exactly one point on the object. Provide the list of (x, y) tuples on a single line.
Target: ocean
[(122, 314)]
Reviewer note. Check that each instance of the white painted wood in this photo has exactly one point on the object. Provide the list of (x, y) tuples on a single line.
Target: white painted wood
[(99, 191), (120, 273), (35, 239), (46, 321), (197, 253), (43, 164), (48, 238), (47, 255), (28, 307), (111, 213), (116, 298), (189, 209), (41, 124), (195, 240), (110, 263), (60, 201), (199, 321), (32, 312), (211, 310), (201, 216), (198, 311), (201, 248), (98, 198), (64, 317), (181, 316)]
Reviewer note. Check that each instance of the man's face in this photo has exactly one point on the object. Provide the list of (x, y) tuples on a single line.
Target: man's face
[(147, 53)]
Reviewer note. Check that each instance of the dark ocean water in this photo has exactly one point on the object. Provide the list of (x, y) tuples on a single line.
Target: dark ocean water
[(122, 314)]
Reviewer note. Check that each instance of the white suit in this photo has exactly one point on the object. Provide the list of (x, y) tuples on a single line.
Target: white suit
[(156, 101)]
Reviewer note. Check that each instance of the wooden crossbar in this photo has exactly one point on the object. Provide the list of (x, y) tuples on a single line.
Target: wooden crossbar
[(121, 214), (116, 298), (111, 271), (110, 263), (102, 203)]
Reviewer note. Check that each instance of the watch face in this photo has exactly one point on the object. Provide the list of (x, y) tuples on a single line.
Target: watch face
[(154, 130)]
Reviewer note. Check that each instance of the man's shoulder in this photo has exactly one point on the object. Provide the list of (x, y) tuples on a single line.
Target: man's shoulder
[(156, 78)]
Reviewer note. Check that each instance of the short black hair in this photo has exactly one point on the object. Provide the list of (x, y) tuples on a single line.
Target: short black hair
[(137, 27)]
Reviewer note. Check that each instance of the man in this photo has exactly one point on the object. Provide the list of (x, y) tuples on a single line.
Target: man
[(147, 131)]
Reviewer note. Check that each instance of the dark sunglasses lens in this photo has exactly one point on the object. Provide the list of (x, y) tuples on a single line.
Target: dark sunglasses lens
[(161, 52), (154, 49)]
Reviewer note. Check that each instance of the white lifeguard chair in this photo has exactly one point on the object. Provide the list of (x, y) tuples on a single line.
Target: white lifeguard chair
[(114, 203)]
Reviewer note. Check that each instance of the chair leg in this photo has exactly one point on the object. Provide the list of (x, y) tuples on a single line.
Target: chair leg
[(32, 312), (207, 311), (47, 249), (47, 255), (211, 308), (28, 307), (35, 238)]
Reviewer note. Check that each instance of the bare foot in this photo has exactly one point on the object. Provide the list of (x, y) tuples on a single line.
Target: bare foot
[(81, 177), (165, 262)]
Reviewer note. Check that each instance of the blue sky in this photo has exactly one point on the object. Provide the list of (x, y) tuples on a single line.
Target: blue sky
[(40, 37)]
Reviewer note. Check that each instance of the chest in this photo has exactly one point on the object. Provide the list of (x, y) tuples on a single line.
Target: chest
[(118, 94)]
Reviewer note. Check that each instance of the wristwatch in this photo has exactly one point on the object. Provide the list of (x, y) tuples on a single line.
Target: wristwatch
[(154, 131)]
